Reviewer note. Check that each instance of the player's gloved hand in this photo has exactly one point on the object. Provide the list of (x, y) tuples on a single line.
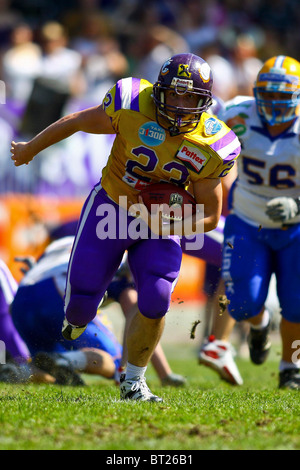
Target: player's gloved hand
[(282, 209)]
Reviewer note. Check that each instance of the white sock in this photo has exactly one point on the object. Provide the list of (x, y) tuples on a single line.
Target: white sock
[(283, 365), (77, 359), (134, 371), (264, 322)]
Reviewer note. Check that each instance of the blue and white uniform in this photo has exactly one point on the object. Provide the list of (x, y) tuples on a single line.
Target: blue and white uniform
[(38, 308), (254, 245)]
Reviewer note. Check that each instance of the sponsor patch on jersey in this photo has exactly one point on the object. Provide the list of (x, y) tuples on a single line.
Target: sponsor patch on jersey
[(212, 126), (191, 156), (152, 134), (134, 182)]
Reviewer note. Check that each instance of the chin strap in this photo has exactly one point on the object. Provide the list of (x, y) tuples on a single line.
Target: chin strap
[(174, 130)]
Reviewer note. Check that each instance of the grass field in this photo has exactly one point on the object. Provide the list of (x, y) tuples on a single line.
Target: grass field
[(208, 414)]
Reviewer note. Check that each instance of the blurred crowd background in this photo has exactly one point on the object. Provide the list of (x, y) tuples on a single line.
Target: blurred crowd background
[(88, 44), (62, 56), (59, 57)]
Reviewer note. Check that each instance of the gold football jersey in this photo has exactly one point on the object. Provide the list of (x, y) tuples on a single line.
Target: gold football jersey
[(144, 153)]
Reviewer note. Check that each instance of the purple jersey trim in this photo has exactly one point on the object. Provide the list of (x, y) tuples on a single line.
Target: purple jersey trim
[(223, 142), (135, 104), (132, 101), (118, 96)]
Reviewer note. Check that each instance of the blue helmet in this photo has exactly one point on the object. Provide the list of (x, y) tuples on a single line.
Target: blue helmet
[(184, 73)]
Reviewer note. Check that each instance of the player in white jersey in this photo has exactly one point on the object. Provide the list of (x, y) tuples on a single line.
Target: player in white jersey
[(163, 133), (262, 232)]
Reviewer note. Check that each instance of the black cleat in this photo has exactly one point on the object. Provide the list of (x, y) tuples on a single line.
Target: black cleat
[(259, 344), (289, 378), (59, 367), (71, 332)]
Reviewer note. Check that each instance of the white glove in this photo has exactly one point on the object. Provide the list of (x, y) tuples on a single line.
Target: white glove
[(282, 209)]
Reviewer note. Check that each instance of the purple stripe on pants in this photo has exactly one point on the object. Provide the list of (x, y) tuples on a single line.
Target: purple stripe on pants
[(155, 263), (211, 251)]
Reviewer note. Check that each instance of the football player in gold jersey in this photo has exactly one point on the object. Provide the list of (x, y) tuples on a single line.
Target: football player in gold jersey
[(163, 134)]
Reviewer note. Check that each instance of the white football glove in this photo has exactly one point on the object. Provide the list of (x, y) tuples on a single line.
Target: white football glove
[(282, 209)]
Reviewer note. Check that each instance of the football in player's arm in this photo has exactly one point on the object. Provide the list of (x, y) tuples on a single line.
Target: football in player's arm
[(163, 133)]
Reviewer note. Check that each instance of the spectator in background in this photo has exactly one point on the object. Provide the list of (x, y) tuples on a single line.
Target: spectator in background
[(92, 28), (199, 24), (153, 47), (21, 63), (25, 60), (225, 83), (246, 63), (102, 59), (59, 62), (59, 79), (9, 18)]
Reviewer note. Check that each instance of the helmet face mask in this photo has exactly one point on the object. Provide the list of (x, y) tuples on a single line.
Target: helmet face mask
[(277, 90), (185, 74)]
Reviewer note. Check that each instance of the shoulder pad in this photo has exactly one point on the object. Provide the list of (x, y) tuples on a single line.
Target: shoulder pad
[(228, 147), (125, 94)]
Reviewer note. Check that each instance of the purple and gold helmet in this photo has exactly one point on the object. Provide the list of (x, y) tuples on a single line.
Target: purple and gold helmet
[(184, 73)]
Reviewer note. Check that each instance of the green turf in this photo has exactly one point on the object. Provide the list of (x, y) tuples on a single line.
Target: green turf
[(207, 414)]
